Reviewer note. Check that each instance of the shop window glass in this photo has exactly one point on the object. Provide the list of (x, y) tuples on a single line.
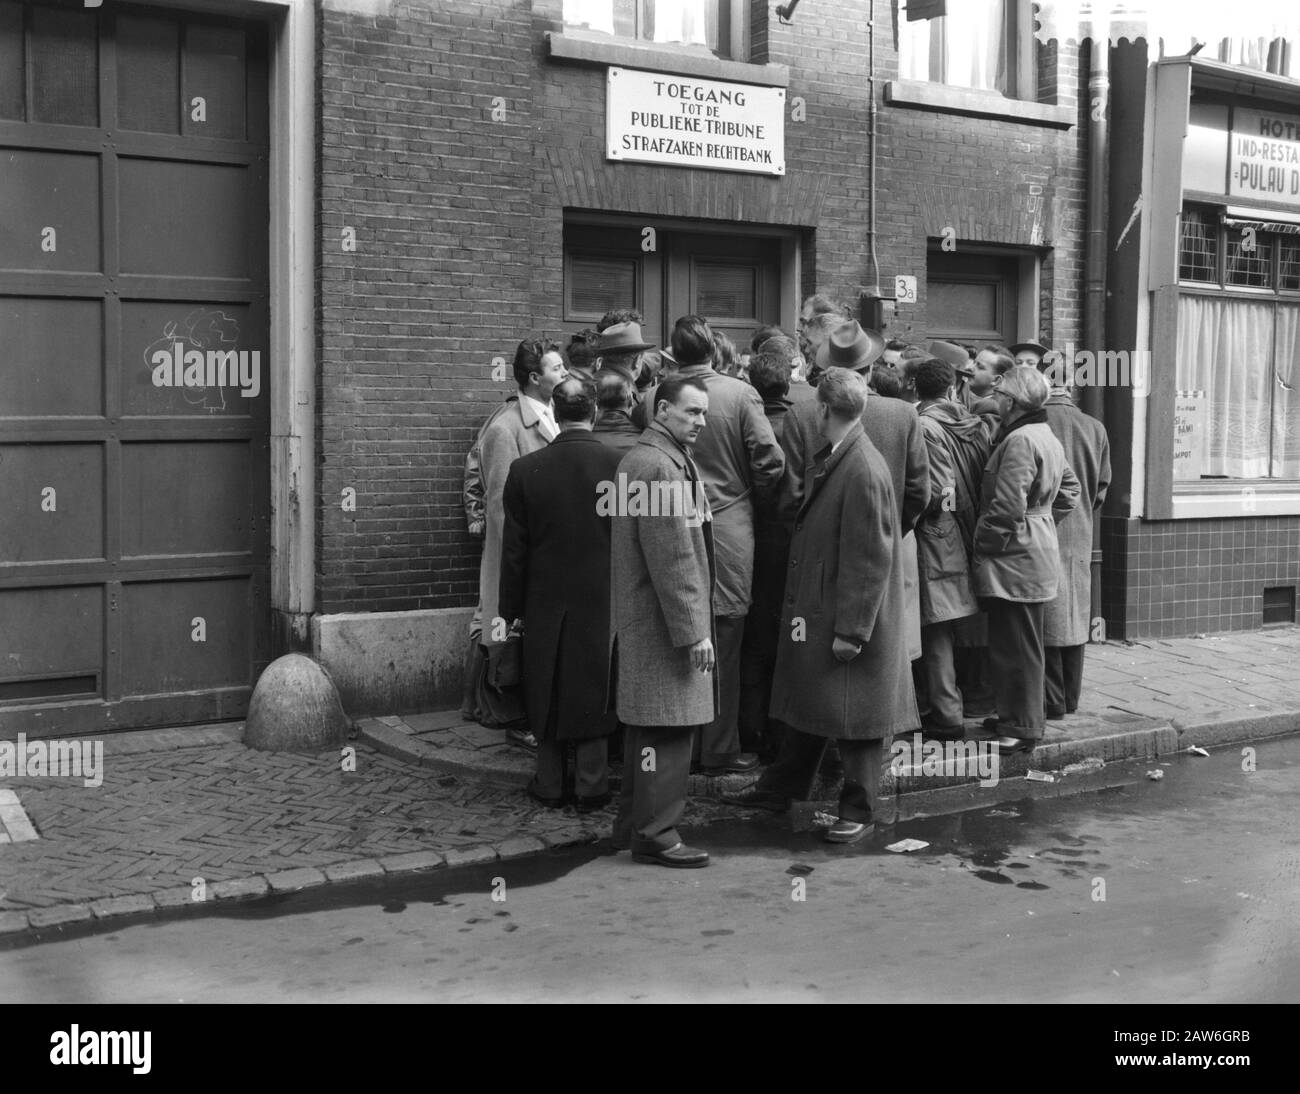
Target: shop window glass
[(1248, 260), (1198, 257), (1242, 359), (1288, 267), (1225, 353)]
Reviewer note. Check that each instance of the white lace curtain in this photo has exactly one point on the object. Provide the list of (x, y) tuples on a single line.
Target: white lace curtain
[(1245, 356), (686, 22), (965, 48)]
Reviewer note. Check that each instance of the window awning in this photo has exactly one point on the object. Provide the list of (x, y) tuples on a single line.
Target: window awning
[(1235, 216)]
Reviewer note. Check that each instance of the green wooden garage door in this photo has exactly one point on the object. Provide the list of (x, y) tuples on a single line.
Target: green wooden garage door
[(134, 367)]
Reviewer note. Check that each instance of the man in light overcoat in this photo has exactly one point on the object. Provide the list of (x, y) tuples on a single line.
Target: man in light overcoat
[(524, 426), (661, 629)]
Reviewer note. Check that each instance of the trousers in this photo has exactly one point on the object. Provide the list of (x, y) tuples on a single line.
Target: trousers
[(1063, 678), (1016, 659), (719, 740), (656, 767), (801, 755), (945, 699)]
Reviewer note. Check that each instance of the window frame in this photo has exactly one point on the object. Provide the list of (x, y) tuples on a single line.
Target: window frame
[(1021, 53), (1220, 289), (734, 18)]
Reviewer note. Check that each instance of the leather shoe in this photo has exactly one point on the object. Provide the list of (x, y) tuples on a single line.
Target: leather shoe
[(753, 798), (550, 803), (593, 804), (1055, 714), (523, 738), (847, 831), (678, 855), (936, 732), (746, 761), (1008, 746)]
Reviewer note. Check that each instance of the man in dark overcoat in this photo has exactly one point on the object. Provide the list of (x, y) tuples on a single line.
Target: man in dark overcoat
[(894, 429), (769, 372), (842, 670), (555, 578), (1066, 619), (615, 399), (662, 626)]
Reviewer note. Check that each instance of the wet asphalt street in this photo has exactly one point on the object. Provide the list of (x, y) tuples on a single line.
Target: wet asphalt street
[(1200, 874)]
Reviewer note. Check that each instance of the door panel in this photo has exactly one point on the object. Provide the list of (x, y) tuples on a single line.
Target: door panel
[(134, 571), (734, 282)]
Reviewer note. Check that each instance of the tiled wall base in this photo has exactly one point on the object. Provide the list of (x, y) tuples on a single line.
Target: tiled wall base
[(1163, 579)]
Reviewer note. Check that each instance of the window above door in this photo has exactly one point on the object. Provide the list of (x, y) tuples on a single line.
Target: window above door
[(716, 27), (975, 57)]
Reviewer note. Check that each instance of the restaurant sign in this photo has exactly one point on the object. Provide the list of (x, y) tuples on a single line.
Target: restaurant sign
[(1264, 160), (652, 117)]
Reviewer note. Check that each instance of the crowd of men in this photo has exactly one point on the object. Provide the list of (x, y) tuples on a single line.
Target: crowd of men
[(735, 557)]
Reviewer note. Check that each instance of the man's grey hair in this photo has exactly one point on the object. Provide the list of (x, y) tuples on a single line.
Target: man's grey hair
[(844, 392)]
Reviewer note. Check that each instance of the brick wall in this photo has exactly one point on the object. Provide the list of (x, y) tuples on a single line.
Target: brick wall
[(459, 221)]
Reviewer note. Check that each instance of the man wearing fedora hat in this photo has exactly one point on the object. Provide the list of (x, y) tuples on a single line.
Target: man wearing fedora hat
[(893, 427), (621, 347)]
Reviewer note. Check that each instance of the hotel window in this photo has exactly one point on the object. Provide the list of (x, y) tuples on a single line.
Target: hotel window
[(717, 26), (1238, 346), (985, 45)]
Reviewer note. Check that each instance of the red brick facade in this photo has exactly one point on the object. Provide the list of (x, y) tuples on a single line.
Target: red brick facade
[(459, 220)]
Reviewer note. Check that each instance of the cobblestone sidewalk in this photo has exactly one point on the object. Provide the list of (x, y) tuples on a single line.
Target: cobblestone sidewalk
[(194, 803)]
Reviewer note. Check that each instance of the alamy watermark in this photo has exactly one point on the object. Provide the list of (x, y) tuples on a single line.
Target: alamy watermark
[(177, 366), (945, 758), (23, 759), (1109, 368), (660, 498)]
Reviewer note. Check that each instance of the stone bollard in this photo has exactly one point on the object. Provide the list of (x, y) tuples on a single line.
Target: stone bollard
[(295, 708)]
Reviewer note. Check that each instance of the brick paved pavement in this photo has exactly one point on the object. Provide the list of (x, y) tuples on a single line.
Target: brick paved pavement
[(220, 811), (193, 802)]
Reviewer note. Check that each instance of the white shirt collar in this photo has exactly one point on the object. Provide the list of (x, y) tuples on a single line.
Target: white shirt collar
[(546, 414)]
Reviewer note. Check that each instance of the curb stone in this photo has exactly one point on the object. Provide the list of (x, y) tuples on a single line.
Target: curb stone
[(411, 861), (122, 905), (13, 922), (353, 871), (58, 914), (291, 881)]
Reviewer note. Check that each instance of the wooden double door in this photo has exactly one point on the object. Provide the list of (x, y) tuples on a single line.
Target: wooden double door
[(732, 280)]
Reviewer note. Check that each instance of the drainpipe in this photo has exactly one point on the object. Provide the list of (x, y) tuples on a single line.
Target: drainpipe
[(1094, 277), (871, 128)]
